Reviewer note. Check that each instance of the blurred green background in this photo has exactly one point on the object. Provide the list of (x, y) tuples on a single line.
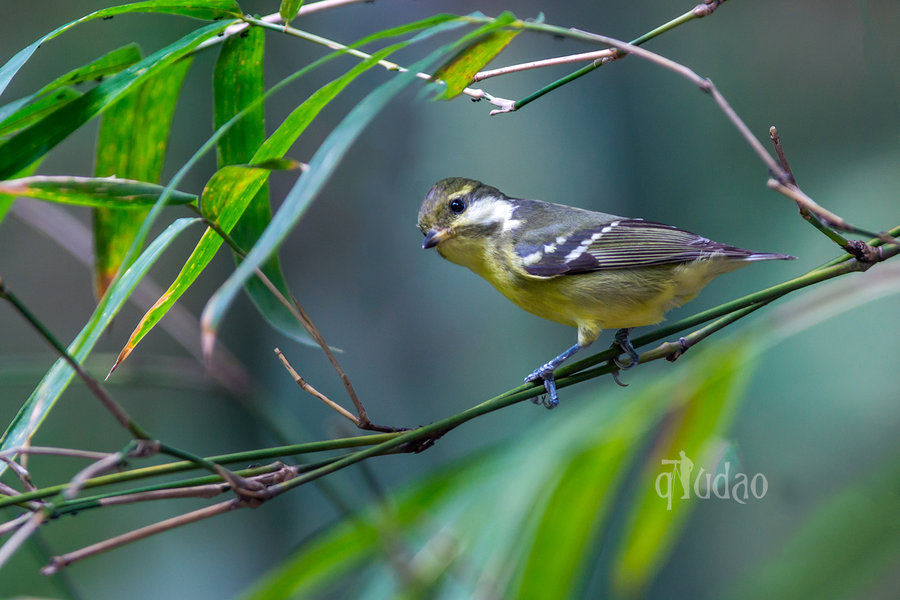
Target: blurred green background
[(424, 339)]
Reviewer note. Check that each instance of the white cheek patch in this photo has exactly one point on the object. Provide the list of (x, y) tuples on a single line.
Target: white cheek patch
[(492, 211)]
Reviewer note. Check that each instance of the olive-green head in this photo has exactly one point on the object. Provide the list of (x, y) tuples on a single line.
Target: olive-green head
[(462, 208)]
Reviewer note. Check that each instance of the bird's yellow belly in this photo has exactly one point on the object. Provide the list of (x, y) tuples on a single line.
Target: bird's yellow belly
[(606, 299), (610, 299)]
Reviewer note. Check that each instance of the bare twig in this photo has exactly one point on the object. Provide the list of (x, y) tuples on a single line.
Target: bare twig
[(64, 560), (14, 523), (547, 62), (782, 159), (50, 451), (275, 18), (283, 474), (293, 306), (20, 471), (109, 462), (503, 104), (24, 531), (92, 384), (74, 237), (306, 387), (280, 472), (781, 178)]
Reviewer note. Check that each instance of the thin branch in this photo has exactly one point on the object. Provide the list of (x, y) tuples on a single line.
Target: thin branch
[(107, 463), (280, 472), (14, 523), (185, 465), (23, 532), (293, 306), (698, 12), (64, 560), (306, 387), (275, 18), (74, 237), (547, 62), (20, 471), (283, 474), (503, 104), (50, 451), (92, 384), (780, 177)]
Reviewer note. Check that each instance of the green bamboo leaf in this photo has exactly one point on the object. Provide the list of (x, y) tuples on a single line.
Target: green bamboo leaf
[(457, 73), (577, 510), (6, 200), (321, 166), (289, 10), (238, 82), (110, 63), (54, 383), (32, 143), (199, 9), (132, 144), (231, 189), (110, 192), (499, 507), (20, 113), (26, 111), (657, 519)]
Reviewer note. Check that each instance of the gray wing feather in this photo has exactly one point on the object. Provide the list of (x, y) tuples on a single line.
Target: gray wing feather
[(619, 244)]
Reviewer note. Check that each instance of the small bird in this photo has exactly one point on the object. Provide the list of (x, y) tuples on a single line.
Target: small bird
[(586, 269)]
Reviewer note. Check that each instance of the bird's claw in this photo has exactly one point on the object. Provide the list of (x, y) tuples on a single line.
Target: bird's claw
[(550, 400), (624, 344)]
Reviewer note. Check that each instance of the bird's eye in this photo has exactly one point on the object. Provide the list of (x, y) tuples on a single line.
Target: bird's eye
[(457, 205)]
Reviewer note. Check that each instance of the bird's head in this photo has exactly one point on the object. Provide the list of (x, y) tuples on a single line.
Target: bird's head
[(462, 211)]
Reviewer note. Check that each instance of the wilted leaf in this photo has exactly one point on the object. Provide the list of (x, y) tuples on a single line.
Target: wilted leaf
[(488, 42)]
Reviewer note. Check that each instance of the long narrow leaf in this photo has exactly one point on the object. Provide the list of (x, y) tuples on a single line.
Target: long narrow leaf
[(132, 143), (54, 383), (655, 523), (110, 192), (6, 200), (237, 83), (16, 115), (457, 73), (230, 190), (31, 143), (24, 112), (321, 167), (198, 9)]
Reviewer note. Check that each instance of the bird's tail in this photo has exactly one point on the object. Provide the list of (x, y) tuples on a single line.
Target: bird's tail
[(769, 256)]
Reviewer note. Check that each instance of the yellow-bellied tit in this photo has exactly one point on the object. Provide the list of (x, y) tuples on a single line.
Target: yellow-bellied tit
[(578, 267)]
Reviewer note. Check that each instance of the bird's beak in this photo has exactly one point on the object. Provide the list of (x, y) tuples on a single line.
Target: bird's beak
[(435, 237)]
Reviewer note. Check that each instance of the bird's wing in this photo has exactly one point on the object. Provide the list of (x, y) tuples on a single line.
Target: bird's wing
[(617, 244)]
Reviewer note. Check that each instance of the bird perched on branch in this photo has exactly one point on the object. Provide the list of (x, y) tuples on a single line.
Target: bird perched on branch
[(582, 268)]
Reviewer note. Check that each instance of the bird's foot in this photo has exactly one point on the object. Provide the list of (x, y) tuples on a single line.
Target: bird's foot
[(624, 344), (544, 373), (615, 376)]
